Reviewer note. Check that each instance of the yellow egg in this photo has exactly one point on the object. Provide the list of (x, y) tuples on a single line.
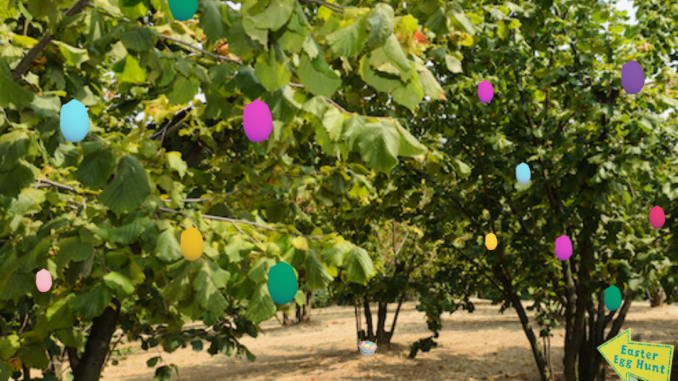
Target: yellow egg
[(491, 241), (191, 244)]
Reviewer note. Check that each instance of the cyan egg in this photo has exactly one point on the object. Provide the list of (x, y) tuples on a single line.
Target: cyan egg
[(523, 174), (74, 121)]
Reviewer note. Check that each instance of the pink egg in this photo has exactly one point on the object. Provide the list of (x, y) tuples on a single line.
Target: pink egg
[(485, 91), (257, 121), (563, 247), (43, 280), (657, 217)]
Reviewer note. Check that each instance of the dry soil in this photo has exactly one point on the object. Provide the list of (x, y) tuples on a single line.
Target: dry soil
[(483, 345)]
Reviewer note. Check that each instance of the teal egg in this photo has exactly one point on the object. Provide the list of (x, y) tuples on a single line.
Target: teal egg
[(282, 283), (74, 121), (523, 174), (613, 298), (183, 10)]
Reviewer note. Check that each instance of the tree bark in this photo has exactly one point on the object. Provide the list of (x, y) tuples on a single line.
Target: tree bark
[(98, 343), (383, 336), (368, 320)]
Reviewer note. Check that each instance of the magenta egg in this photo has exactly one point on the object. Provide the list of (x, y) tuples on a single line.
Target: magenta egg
[(43, 280), (657, 217), (485, 91), (257, 121), (563, 248)]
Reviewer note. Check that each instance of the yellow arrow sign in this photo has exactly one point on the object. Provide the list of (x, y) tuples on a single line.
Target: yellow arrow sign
[(644, 361)]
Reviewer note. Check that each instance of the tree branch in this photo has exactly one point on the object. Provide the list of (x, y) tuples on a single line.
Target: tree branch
[(45, 40), (197, 49), (236, 221)]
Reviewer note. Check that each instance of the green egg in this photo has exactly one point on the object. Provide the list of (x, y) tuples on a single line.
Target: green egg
[(282, 283), (183, 10), (613, 298)]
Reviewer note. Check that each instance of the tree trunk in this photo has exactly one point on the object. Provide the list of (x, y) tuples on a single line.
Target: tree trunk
[(383, 337), (303, 313), (657, 295), (368, 320), (98, 344), (510, 293)]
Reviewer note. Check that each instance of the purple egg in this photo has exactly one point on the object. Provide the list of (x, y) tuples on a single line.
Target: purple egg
[(632, 77), (563, 248), (485, 91), (257, 121)]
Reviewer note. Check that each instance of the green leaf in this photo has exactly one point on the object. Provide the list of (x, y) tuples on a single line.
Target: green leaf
[(333, 121), (183, 90), (207, 289), (164, 373), (73, 249), (175, 163), (8, 346), (130, 232), (299, 298), (274, 16), (261, 306), (12, 93), (119, 282), (453, 64), (271, 73), (259, 272), (276, 211), (378, 143), (92, 303), (409, 145), (463, 170), (430, 85), (350, 40), (317, 76), (96, 168), (16, 179), (13, 146), (132, 72), (23, 41), (316, 273), (334, 256), (358, 265), (409, 95), (380, 24), (70, 336), (129, 187), (59, 313), (72, 55), (133, 9), (139, 40), (502, 30), (34, 355), (381, 82), (212, 19), (179, 288), (167, 247), (391, 59)]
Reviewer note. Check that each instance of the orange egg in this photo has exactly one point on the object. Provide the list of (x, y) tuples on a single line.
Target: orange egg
[(192, 245)]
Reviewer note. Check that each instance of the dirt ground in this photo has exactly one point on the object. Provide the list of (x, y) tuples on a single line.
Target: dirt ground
[(484, 345)]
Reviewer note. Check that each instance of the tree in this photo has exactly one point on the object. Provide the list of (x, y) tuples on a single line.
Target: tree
[(599, 159), (103, 215)]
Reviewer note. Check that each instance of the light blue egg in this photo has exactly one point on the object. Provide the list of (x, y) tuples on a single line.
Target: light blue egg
[(523, 173), (74, 121)]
